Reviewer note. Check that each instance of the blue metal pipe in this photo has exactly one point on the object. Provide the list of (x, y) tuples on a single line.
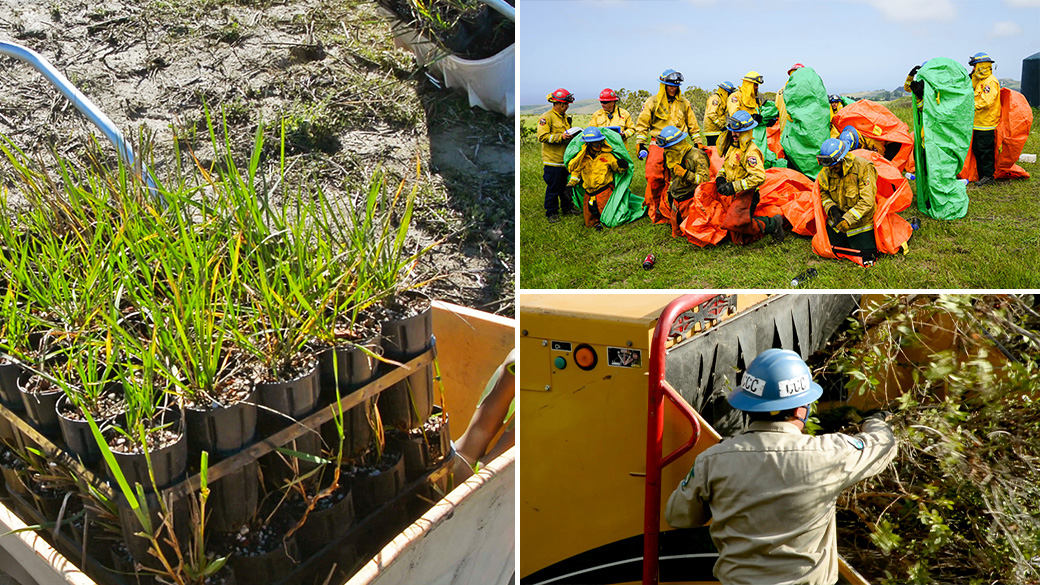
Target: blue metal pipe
[(82, 103)]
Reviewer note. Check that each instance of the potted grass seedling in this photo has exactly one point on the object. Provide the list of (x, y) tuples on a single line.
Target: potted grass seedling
[(379, 473), (87, 380), (15, 326)]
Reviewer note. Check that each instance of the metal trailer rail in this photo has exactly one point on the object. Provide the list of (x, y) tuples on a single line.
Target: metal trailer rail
[(84, 105)]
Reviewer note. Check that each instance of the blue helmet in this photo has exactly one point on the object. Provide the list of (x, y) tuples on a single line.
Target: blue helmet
[(669, 136), (979, 58), (671, 77), (740, 122), (728, 86), (592, 134), (832, 151), (777, 379), (834, 98), (850, 135)]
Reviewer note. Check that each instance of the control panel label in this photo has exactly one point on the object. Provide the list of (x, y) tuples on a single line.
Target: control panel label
[(561, 346), (624, 357)]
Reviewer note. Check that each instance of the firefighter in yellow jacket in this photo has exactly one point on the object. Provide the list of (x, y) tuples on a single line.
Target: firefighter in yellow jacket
[(836, 106), (555, 130), (667, 108), (612, 115), (743, 171), (770, 491), (594, 167), (781, 107), (987, 115), (715, 112), (848, 192), (746, 98), (689, 168)]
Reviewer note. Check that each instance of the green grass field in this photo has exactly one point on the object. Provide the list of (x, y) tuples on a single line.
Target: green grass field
[(997, 246)]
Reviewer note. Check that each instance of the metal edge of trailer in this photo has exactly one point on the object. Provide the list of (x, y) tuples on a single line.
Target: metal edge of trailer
[(472, 344), (466, 538)]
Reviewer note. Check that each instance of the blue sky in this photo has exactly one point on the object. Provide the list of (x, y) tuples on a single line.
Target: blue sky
[(854, 45)]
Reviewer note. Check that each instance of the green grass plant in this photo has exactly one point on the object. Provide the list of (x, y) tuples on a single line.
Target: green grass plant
[(996, 246)]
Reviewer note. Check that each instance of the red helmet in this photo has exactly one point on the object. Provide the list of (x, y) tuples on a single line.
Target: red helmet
[(561, 95), (608, 95), (795, 66)]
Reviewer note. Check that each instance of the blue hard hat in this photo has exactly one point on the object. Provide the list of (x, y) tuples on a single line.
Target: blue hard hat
[(669, 136), (740, 122), (850, 135), (979, 57), (671, 77), (777, 379), (832, 151), (729, 87), (592, 134)]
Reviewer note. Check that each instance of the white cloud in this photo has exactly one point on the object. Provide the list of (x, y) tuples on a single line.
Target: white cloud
[(1004, 28), (916, 11), (1023, 3)]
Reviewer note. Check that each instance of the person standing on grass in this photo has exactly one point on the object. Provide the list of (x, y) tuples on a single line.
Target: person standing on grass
[(836, 106), (770, 492), (848, 192), (781, 107), (987, 115), (667, 108), (715, 112), (746, 98), (743, 171), (612, 115), (594, 169), (555, 130)]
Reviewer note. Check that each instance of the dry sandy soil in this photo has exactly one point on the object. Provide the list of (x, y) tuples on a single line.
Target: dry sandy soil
[(351, 102)]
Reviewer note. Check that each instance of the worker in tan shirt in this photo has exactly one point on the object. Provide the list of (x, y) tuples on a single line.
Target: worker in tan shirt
[(770, 492)]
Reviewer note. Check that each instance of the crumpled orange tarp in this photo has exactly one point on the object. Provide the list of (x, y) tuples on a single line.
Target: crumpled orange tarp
[(893, 195), (876, 121), (784, 191), (773, 135), (1016, 119), (677, 217)]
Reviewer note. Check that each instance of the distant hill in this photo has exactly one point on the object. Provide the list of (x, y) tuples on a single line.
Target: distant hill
[(579, 107)]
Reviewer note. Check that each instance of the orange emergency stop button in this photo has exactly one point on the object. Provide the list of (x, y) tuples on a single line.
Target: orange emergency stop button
[(585, 357)]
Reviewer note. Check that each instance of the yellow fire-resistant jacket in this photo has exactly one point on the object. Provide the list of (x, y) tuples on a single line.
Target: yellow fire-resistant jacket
[(742, 163), (593, 172), (715, 113), (770, 493), (781, 108), (619, 117), (854, 191), (551, 128), (745, 98), (689, 166), (658, 112), (987, 97)]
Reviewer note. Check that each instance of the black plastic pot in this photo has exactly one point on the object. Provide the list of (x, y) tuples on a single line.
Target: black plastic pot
[(349, 367), (40, 406), (13, 481), (9, 395), (269, 567), (223, 430), (419, 452), (168, 463), (324, 526), (139, 545), (408, 403), (279, 468), (293, 398), (49, 505), (233, 499), (374, 489), (357, 431), (79, 439)]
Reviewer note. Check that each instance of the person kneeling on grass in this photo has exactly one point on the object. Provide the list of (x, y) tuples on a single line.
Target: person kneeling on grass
[(848, 191), (594, 169), (743, 171), (689, 168)]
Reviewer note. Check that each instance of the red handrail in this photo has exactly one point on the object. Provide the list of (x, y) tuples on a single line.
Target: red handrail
[(659, 390)]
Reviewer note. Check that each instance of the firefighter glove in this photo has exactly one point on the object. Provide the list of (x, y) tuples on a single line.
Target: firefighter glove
[(834, 215), (621, 163), (843, 226), (914, 71), (573, 181), (727, 188), (757, 118)]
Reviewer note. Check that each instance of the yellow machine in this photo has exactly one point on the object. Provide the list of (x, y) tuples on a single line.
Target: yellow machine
[(584, 406)]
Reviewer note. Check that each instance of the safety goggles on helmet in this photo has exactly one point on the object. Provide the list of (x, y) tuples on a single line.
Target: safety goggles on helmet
[(607, 95), (728, 87), (592, 134), (834, 98), (754, 77), (671, 77), (850, 135), (776, 380), (740, 121), (561, 96), (793, 67), (832, 151), (979, 58), (669, 136)]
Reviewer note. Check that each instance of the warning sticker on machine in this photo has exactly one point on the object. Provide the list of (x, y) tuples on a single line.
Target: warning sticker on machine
[(624, 357)]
